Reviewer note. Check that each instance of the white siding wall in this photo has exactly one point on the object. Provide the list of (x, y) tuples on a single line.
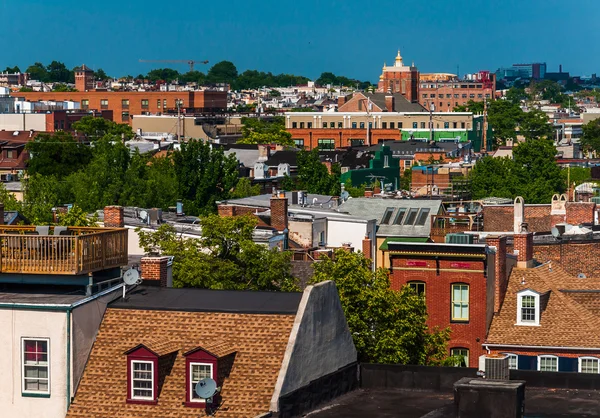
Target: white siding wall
[(16, 324), (352, 231), (23, 121)]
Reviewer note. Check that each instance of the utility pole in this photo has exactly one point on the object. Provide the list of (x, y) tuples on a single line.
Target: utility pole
[(484, 125), (178, 121)]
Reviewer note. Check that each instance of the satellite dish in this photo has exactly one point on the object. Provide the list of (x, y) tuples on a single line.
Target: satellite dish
[(143, 215), (206, 388), (345, 195), (131, 277), (581, 276), (555, 232)]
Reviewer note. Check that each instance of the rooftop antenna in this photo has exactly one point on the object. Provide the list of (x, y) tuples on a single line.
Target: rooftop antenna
[(130, 277)]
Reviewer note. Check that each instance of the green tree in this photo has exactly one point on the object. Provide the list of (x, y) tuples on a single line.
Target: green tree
[(387, 326), (493, 177), (8, 199), (222, 72), (204, 176), (38, 72), (165, 74), (504, 117), (516, 94), (62, 87), (471, 106), (40, 194), (25, 89), (313, 175), (265, 131), (535, 125), (77, 217), (287, 183), (576, 175), (406, 179), (193, 77), (100, 75), (225, 257), (244, 188), (150, 181), (59, 73), (57, 154), (12, 70), (94, 128), (354, 191), (590, 140), (538, 175)]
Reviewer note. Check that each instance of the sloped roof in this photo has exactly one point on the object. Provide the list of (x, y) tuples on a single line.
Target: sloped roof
[(568, 315), (158, 346), (217, 348), (260, 341), (401, 104)]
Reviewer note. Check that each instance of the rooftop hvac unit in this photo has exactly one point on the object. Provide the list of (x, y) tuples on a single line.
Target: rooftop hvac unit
[(596, 200), (459, 239), (496, 367)]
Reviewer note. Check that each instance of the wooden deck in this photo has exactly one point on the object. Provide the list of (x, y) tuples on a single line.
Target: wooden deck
[(81, 251)]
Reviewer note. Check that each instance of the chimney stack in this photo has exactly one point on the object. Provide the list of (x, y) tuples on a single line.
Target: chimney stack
[(157, 271), (114, 217), (389, 103), (341, 101), (367, 247), (523, 247), (500, 278), (279, 211), (368, 192)]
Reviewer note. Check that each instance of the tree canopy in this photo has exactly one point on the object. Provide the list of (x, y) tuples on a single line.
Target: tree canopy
[(57, 154), (265, 131), (94, 128), (590, 140), (313, 175), (55, 72), (334, 80), (387, 326), (224, 257)]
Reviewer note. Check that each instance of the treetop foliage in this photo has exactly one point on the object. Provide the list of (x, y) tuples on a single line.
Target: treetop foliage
[(265, 131)]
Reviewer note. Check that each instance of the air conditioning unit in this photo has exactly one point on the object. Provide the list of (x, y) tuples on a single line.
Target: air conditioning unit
[(496, 367), (596, 200), (459, 239)]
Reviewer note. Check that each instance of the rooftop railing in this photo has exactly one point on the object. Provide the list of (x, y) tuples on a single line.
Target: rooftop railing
[(61, 250)]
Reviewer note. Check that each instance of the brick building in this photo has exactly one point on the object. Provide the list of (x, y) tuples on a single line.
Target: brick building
[(84, 78), (445, 93), (400, 78), (127, 104)]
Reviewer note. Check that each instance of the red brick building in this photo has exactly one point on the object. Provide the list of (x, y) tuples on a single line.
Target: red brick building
[(446, 91), (127, 104), (454, 282), (84, 78), (400, 78)]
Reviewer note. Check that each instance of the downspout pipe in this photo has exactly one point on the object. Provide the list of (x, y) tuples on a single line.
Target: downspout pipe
[(68, 358)]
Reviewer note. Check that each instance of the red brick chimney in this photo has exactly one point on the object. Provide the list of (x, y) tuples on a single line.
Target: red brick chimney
[(500, 278), (113, 217), (279, 211), (341, 100), (389, 103), (367, 247), (523, 247), (155, 270)]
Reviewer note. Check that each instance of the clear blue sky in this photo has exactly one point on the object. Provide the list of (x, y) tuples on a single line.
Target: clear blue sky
[(306, 37)]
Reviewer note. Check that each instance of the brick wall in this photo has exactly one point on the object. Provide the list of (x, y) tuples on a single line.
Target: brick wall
[(573, 257), (342, 137), (523, 246), (500, 276), (113, 217), (421, 179), (154, 269), (234, 210), (279, 212), (580, 212), (438, 283), (367, 248)]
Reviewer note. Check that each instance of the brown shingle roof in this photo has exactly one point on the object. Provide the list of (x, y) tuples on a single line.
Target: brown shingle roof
[(259, 340), (565, 320), (215, 347), (158, 346)]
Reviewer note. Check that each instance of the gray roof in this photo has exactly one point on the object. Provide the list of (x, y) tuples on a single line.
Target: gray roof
[(246, 157), (401, 104), (376, 208), (264, 201)]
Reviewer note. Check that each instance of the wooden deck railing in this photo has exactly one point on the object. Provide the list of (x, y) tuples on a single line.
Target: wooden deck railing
[(83, 251)]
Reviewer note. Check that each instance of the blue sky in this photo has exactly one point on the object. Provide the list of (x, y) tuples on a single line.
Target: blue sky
[(306, 37)]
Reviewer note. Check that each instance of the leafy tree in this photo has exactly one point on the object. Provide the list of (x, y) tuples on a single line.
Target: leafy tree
[(77, 217), (493, 177), (274, 93), (330, 78), (165, 74), (25, 89), (193, 77), (204, 176), (8, 199), (538, 175), (590, 140), (225, 257), (313, 175), (406, 179), (222, 72), (244, 188), (504, 117), (62, 87), (57, 154), (576, 175), (471, 106), (100, 75), (149, 182), (387, 326), (534, 125), (515, 95), (58, 72), (38, 72), (287, 183), (12, 70), (354, 191), (94, 128), (40, 194), (265, 131)]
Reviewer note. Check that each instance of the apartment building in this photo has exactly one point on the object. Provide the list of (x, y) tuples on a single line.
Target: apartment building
[(443, 92)]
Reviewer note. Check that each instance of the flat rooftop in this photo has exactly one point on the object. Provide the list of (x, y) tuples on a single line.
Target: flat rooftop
[(41, 294), (203, 300), (388, 403)]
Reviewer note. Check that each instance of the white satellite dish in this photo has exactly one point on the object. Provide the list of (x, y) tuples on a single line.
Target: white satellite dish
[(206, 388), (131, 277), (143, 215)]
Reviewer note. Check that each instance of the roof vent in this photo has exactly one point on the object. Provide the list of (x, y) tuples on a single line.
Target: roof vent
[(581, 276)]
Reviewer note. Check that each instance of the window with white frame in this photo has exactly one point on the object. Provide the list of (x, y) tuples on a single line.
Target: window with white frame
[(36, 366), (588, 365), (199, 371), (142, 380), (460, 302), (462, 355), (548, 363), (528, 307), (513, 361)]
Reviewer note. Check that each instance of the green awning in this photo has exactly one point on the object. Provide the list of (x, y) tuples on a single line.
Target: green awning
[(384, 246)]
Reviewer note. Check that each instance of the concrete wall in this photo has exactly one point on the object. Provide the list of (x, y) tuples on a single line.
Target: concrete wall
[(23, 121), (15, 325), (86, 320), (340, 230), (320, 342)]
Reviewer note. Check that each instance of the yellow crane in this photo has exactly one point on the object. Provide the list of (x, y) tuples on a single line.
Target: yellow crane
[(189, 62)]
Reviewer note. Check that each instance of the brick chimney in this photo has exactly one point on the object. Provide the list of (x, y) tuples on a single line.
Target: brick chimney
[(264, 152), (367, 247), (389, 103), (341, 100), (523, 247), (113, 217), (279, 211), (500, 278), (155, 271)]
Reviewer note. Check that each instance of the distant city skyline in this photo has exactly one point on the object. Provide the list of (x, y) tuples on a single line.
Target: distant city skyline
[(345, 37)]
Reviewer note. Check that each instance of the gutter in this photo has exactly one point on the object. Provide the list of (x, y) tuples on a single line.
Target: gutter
[(541, 347), (68, 359)]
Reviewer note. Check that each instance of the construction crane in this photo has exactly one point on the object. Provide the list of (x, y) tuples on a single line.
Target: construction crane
[(189, 62)]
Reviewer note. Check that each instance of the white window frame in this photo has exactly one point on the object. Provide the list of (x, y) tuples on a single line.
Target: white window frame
[(536, 296), (547, 356), (579, 360), (36, 392), (142, 398), (516, 357), (192, 388), (468, 303)]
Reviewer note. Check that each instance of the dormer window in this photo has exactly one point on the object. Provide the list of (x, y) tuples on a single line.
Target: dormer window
[(528, 308), (142, 380)]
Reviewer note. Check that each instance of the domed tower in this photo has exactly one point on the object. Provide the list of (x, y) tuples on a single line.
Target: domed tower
[(400, 78)]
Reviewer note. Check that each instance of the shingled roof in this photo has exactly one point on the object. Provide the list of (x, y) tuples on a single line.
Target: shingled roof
[(260, 342), (568, 315)]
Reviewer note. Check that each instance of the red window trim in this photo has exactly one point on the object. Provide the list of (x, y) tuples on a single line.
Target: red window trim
[(142, 354), (198, 356)]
